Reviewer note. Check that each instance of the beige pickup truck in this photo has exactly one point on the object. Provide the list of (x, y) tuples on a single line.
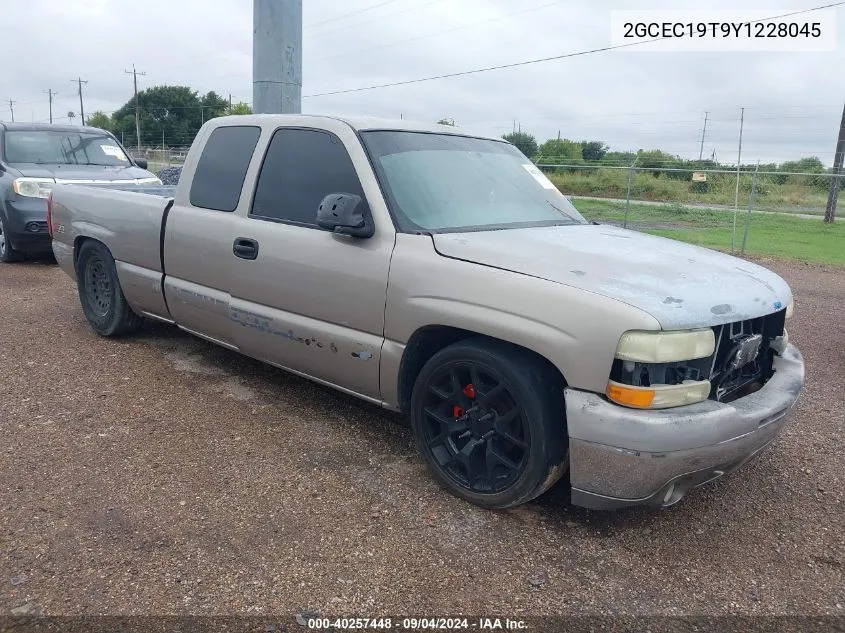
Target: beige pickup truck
[(442, 275)]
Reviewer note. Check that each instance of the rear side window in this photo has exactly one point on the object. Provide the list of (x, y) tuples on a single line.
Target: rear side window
[(301, 168), (222, 167)]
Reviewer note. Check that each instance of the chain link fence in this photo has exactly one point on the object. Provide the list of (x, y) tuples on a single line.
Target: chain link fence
[(161, 157), (666, 199)]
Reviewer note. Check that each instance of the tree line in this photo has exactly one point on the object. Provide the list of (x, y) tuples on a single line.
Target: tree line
[(172, 113), (564, 151)]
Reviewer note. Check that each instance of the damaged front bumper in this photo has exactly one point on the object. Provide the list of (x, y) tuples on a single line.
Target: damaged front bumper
[(624, 457)]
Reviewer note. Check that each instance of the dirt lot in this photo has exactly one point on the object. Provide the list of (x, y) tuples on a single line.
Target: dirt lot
[(160, 474)]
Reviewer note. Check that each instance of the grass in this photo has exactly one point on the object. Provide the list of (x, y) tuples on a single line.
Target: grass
[(769, 235), (797, 194)]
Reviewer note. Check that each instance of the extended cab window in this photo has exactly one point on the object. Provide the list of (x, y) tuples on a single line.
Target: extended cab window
[(300, 169), (222, 167)]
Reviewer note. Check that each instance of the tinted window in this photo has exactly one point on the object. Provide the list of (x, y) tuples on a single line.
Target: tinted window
[(222, 167), (300, 169)]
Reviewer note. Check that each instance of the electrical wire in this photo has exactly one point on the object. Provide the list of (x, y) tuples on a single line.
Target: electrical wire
[(444, 31), (346, 15), (540, 60)]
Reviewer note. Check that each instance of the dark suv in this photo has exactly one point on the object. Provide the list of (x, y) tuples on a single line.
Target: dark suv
[(33, 157)]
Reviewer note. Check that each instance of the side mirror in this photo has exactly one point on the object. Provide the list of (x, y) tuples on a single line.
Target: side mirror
[(141, 162), (346, 214)]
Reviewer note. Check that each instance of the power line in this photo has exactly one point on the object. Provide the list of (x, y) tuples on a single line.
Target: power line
[(381, 17), (346, 15), (539, 60), (449, 30)]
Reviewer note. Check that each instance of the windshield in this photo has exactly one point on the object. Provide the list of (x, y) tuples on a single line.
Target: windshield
[(440, 182), (63, 148)]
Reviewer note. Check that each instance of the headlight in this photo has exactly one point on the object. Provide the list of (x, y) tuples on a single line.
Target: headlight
[(790, 309), (666, 347), (658, 370), (33, 187), (147, 181)]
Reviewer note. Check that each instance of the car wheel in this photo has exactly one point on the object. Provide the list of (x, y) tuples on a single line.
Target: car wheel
[(7, 253), (489, 420), (102, 299)]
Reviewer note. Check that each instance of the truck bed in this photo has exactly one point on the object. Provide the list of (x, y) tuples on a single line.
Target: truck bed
[(128, 219)]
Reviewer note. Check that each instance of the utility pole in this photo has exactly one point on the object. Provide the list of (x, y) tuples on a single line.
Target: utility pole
[(703, 132), (79, 82), (12, 109), (833, 195), (51, 94), (277, 56), (738, 164), (135, 74), (230, 103)]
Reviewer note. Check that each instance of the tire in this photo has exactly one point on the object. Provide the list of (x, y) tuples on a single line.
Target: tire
[(488, 418), (100, 294), (8, 254)]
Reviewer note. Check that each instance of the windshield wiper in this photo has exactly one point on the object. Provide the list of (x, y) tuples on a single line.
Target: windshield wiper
[(562, 212)]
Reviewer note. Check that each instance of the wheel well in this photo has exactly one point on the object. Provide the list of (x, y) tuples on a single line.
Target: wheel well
[(428, 340), (77, 244)]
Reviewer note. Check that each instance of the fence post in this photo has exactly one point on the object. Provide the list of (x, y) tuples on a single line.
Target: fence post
[(750, 205), (628, 195)]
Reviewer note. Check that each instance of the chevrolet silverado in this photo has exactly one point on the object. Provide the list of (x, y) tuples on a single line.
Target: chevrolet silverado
[(442, 275)]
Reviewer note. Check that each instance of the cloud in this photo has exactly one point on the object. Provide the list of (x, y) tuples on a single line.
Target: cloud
[(630, 100)]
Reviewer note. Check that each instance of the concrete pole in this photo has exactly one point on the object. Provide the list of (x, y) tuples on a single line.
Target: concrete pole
[(277, 57)]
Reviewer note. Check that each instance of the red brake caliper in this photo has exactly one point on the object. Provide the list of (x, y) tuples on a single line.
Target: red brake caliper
[(469, 392)]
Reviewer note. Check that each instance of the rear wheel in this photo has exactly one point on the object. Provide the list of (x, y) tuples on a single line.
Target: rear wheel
[(7, 253), (102, 300), (489, 420)]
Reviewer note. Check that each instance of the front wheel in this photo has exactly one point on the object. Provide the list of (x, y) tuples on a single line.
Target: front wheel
[(100, 294), (488, 418), (7, 253)]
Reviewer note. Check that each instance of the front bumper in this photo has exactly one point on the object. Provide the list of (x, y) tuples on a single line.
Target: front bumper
[(623, 457), (26, 224)]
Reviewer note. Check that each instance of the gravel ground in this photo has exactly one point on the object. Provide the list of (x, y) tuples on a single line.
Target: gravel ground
[(160, 474)]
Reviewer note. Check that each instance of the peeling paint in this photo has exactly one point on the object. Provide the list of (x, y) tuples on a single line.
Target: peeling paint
[(641, 270), (363, 354), (261, 323)]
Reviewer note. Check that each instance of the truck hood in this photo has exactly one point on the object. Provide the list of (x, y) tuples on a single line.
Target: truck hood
[(680, 285), (82, 172)]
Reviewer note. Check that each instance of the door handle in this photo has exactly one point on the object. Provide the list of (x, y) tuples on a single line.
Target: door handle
[(245, 248)]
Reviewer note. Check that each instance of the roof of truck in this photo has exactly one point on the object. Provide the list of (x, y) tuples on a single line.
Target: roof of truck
[(361, 123)]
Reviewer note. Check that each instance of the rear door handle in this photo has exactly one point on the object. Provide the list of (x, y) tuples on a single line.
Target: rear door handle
[(245, 248)]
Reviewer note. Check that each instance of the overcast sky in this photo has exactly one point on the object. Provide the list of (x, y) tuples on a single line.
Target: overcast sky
[(629, 100)]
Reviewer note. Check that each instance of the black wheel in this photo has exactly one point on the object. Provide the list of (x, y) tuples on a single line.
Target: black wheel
[(489, 420), (7, 253), (102, 299)]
